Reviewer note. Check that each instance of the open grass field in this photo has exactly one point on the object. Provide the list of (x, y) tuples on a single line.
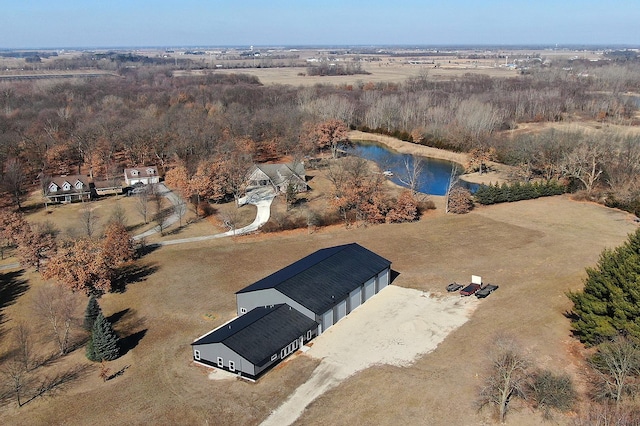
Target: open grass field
[(378, 73), (535, 250)]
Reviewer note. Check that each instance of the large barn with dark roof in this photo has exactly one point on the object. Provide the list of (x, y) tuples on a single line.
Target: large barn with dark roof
[(281, 312)]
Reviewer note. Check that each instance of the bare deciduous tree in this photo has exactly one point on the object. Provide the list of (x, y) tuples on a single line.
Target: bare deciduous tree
[(411, 174), (13, 180), (16, 377), (22, 337), (89, 219), (142, 204), (58, 307), (585, 163), (615, 363), (506, 378)]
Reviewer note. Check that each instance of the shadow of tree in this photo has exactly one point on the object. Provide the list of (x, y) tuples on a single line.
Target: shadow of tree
[(52, 384), (145, 249), (118, 373), (130, 326), (129, 342), (133, 273), (176, 231), (117, 316), (12, 286), (133, 228), (32, 208)]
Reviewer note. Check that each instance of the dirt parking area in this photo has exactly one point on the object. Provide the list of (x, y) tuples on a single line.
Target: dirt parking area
[(393, 328)]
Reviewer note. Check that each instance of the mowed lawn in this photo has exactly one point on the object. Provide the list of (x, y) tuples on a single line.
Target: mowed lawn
[(534, 250)]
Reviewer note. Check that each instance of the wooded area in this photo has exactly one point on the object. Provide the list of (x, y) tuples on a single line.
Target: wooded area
[(204, 133), (145, 116)]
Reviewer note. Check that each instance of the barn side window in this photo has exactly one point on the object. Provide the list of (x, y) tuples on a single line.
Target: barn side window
[(196, 355), (232, 366), (243, 310), (309, 335), (220, 362), (274, 357)]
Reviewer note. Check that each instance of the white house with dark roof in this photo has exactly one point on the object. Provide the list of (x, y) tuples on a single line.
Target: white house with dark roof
[(310, 296), (141, 175), (66, 189)]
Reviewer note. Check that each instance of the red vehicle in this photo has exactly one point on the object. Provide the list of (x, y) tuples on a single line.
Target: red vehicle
[(470, 289)]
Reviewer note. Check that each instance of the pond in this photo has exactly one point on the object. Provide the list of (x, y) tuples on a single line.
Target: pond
[(434, 176)]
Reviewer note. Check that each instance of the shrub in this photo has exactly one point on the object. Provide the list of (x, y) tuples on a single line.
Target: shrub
[(459, 201), (549, 391)]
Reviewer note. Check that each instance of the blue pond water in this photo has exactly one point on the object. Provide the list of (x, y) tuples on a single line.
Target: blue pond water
[(434, 179)]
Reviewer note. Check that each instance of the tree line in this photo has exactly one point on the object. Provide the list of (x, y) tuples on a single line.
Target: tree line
[(147, 116)]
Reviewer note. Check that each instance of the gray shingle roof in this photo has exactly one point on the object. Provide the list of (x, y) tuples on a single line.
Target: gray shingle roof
[(261, 332), (325, 277)]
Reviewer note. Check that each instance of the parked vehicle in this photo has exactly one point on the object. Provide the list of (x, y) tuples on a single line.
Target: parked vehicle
[(470, 289), (453, 287), (486, 290)]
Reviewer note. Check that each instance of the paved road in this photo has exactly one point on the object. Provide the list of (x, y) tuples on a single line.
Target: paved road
[(179, 209), (15, 265), (261, 198)]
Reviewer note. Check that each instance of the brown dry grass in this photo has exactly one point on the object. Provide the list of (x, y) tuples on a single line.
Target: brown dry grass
[(535, 250), (386, 72)]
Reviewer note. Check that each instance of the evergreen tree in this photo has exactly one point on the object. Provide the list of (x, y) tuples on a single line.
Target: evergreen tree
[(103, 340), (91, 313), (610, 302), (89, 351)]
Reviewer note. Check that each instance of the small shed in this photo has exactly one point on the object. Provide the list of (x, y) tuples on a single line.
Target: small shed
[(251, 344)]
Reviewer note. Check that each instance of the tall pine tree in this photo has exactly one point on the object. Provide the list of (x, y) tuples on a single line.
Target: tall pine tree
[(610, 302), (103, 344), (91, 313)]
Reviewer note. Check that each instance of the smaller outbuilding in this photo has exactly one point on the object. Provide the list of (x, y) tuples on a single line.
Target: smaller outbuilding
[(251, 344)]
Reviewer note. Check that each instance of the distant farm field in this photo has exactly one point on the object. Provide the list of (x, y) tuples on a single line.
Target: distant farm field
[(378, 73)]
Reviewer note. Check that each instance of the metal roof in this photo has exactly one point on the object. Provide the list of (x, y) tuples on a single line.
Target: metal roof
[(261, 332), (325, 277)]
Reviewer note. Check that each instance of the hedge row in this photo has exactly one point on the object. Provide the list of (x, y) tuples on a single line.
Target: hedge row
[(493, 194)]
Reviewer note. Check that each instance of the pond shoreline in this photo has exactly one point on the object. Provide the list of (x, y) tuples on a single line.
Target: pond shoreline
[(498, 172)]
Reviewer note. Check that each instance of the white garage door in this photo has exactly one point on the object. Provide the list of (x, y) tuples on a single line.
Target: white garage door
[(354, 299), (383, 279), (369, 289), (327, 320), (341, 310)]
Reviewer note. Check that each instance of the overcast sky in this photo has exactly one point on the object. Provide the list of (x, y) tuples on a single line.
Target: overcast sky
[(163, 23)]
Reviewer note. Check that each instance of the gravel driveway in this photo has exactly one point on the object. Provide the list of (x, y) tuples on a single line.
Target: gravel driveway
[(394, 327)]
